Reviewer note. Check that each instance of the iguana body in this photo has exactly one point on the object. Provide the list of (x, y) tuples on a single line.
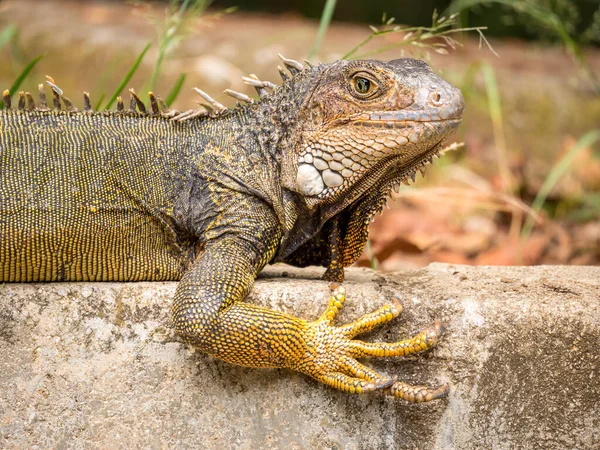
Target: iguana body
[(295, 177)]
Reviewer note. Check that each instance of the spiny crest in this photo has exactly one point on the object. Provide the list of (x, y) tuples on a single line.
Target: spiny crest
[(213, 108), (27, 102), (209, 108)]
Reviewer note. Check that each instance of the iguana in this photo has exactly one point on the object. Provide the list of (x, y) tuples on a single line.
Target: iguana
[(210, 196)]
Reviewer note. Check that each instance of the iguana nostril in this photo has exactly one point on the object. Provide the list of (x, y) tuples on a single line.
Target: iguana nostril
[(436, 98)]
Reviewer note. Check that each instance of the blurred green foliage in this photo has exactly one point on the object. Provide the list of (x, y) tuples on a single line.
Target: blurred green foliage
[(552, 19), (500, 20)]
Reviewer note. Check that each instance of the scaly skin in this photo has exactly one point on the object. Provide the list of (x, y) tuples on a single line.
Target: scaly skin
[(211, 199)]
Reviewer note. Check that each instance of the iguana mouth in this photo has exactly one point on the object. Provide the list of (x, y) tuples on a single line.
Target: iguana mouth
[(398, 124), (404, 120)]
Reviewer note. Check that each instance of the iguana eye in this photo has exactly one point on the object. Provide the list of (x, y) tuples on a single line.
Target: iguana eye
[(362, 85)]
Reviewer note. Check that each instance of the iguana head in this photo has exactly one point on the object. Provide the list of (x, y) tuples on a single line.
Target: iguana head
[(368, 125)]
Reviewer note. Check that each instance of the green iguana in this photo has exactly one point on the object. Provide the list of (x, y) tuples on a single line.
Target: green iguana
[(211, 196)]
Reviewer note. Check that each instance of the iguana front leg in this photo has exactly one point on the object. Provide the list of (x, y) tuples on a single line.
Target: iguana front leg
[(209, 312)]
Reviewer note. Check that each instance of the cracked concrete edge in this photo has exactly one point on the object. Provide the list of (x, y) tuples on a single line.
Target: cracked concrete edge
[(93, 365)]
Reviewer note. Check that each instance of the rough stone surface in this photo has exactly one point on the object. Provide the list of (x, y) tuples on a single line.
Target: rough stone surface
[(92, 365)]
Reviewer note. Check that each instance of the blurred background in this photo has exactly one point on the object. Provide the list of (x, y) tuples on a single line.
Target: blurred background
[(522, 185)]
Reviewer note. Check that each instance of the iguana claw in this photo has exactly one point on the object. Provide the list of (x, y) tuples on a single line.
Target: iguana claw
[(418, 394)]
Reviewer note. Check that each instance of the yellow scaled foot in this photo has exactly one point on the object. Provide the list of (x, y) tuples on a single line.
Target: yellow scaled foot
[(331, 352)]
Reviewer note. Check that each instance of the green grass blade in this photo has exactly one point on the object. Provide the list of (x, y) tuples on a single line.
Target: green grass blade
[(323, 25), (7, 35), (125, 80), (495, 109), (175, 90), (467, 85), (157, 67), (555, 174), (99, 103), (176, 26), (372, 258), (352, 52), (28, 68)]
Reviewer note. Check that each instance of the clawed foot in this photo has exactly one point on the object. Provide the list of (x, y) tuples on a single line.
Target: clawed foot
[(331, 352)]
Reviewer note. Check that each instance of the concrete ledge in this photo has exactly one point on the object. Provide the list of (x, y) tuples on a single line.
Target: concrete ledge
[(91, 365)]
